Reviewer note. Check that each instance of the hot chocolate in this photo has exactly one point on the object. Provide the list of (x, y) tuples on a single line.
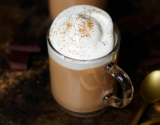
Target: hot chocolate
[(80, 42), (80, 90)]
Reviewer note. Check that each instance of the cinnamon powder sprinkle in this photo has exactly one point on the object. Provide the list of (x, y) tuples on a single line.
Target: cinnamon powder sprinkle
[(84, 30), (82, 16), (90, 24), (69, 25)]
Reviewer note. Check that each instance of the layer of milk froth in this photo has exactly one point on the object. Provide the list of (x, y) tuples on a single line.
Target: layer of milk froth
[(82, 32)]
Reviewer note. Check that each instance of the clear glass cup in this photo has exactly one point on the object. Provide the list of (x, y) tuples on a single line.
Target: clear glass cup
[(56, 6), (85, 88)]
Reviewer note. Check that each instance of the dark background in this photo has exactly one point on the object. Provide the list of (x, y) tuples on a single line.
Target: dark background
[(25, 96)]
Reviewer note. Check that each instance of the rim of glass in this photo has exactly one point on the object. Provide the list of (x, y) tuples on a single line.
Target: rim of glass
[(114, 49)]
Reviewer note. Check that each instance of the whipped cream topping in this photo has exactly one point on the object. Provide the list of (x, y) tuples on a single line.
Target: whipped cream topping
[(82, 32)]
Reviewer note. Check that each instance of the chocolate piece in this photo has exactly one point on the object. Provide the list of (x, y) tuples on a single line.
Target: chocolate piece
[(19, 60), (30, 46)]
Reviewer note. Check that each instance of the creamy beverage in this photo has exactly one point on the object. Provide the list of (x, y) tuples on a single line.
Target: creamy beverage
[(56, 6), (81, 33), (79, 37), (80, 90)]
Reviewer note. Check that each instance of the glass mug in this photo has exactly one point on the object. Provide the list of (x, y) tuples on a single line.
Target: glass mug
[(57, 6), (85, 88)]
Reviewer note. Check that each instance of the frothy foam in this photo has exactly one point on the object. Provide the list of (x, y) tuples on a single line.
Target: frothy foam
[(82, 32)]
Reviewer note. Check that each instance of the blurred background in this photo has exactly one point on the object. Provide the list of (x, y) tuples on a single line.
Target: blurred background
[(25, 96)]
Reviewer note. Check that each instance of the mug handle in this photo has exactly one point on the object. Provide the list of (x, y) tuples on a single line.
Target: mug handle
[(125, 83)]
